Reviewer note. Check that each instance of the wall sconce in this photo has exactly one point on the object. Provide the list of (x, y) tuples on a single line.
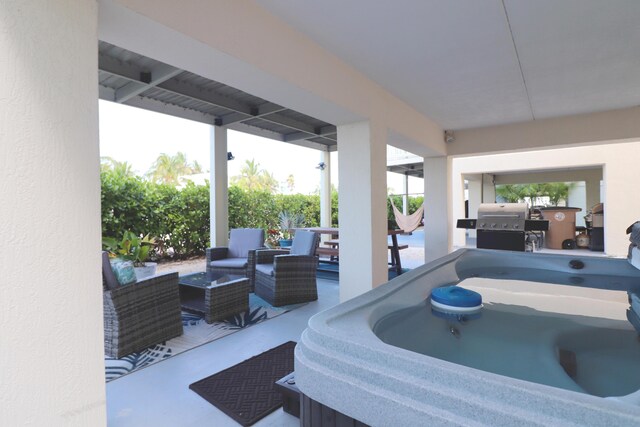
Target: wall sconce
[(321, 166), (230, 155)]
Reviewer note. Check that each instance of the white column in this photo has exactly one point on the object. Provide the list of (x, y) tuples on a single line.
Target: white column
[(592, 189), (219, 192), (362, 213), (405, 194), (437, 201), (488, 189), (325, 190), (52, 356), (577, 198), (621, 208)]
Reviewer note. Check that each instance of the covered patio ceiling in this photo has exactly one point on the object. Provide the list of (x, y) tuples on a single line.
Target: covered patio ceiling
[(131, 79), (470, 64)]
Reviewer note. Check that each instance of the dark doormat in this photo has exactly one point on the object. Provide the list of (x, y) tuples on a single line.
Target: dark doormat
[(246, 391)]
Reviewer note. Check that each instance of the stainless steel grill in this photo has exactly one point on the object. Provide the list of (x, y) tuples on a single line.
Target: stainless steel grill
[(504, 226), (503, 216)]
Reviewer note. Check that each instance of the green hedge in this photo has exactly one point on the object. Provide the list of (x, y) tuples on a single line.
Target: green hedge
[(180, 218)]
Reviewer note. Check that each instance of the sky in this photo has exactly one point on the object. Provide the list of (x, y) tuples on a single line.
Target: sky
[(139, 136)]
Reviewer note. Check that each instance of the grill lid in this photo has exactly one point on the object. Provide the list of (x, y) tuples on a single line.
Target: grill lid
[(502, 216)]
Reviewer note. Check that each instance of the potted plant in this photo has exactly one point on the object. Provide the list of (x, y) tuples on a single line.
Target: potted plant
[(273, 238), (133, 248), (288, 223)]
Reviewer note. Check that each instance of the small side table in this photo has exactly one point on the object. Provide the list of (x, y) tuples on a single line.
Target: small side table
[(215, 298)]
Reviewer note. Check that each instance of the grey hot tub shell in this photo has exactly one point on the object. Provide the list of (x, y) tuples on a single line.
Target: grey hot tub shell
[(342, 364)]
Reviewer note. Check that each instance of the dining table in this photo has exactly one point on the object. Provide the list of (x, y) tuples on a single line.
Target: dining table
[(334, 243)]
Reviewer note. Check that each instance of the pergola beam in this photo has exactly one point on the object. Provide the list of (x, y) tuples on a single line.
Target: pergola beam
[(261, 110), (210, 97), (246, 128), (281, 120), (299, 136), (158, 75), (132, 73), (240, 113), (118, 68)]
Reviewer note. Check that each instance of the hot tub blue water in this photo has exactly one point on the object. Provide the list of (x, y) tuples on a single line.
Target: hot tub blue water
[(383, 358), (522, 343)]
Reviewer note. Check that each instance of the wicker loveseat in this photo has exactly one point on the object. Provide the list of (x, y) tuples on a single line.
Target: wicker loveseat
[(141, 314), (288, 277)]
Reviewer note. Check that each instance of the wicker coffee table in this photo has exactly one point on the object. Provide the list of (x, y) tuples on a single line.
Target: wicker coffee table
[(214, 296)]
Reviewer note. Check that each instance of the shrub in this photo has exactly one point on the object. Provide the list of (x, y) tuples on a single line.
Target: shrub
[(180, 218), (123, 199), (189, 221)]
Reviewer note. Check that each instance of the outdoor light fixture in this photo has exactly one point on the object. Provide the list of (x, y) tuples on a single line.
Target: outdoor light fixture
[(321, 166), (230, 155), (449, 137)]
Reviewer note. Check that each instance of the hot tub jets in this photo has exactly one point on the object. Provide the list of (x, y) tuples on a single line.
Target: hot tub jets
[(456, 303)]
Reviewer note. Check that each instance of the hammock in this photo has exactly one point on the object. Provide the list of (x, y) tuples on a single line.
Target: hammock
[(407, 223)]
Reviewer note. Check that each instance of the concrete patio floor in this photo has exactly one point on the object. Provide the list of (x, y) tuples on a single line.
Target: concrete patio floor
[(159, 395)]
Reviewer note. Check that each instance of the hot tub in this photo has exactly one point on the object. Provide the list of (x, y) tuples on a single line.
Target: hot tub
[(552, 346)]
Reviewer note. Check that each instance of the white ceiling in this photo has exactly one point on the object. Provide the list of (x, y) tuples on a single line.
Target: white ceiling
[(470, 63)]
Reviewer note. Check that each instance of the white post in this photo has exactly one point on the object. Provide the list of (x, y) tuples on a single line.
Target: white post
[(219, 192), (437, 229), (577, 198), (50, 192), (363, 213), (617, 190), (325, 190), (488, 189), (592, 189), (405, 194)]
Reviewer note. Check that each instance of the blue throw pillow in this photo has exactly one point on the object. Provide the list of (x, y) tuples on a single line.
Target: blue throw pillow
[(123, 270)]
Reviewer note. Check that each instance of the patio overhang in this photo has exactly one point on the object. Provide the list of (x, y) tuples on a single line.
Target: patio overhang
[(132, 79)]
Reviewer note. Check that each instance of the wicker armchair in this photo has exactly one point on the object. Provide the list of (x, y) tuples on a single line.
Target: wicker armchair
[(288, 277), (239, 257), (139, 315)]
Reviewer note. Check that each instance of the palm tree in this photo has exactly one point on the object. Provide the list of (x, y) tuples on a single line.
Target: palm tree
[(268, 182), (169, 169), (511, 193), (253, 178), (196, 167), (123, 169), (290, 183), (555, 191), (249, 177)]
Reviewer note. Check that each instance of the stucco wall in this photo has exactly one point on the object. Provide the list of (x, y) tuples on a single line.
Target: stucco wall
[(51, 340), (619, 165), (595, 128)]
